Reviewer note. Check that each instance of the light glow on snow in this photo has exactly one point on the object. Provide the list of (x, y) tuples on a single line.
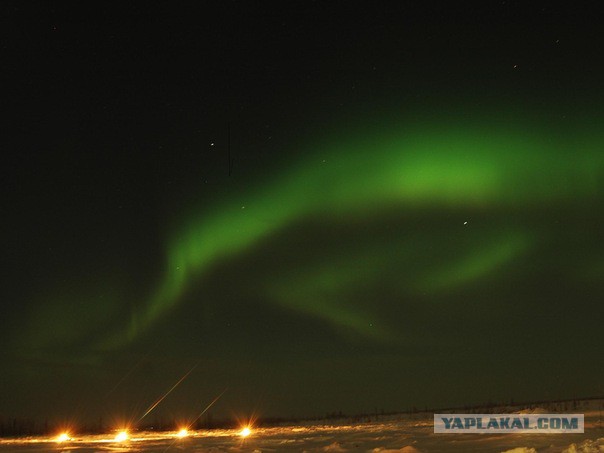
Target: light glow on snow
[(63, 437), (122, 436)]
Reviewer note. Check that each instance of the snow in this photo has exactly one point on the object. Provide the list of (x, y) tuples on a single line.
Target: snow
[(587, 446), (521, 450), (400, 433)]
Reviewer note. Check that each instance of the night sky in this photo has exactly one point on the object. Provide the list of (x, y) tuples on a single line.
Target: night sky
[(323, 205)]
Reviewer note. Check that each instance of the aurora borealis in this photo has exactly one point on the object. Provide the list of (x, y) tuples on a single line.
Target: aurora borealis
[(472, 171), (413, 217)]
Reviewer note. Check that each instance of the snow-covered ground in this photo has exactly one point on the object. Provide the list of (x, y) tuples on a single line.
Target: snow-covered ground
[(395, 433)]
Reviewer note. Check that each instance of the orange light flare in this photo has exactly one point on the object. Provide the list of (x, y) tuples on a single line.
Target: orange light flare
[(182, 433), (122, 436), (245, 432), (247, 426), (63, 437)]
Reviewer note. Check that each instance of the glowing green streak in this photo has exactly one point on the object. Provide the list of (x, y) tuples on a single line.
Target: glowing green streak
[(471, 168), (476, 264), (319, 292), (322, 291)]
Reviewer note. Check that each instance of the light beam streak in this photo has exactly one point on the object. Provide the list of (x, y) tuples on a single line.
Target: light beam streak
[(126, 375), (199, 416), (207, 407), (154, 405)]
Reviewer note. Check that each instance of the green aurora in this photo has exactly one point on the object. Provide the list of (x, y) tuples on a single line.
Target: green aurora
[(325, 206), (464, 170)]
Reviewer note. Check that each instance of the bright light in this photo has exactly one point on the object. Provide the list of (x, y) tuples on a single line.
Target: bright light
[(245, 432), (182, 433), (63, 437), (121, 436)]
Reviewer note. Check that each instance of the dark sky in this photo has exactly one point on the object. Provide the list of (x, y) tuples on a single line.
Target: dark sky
[(411, 215)]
